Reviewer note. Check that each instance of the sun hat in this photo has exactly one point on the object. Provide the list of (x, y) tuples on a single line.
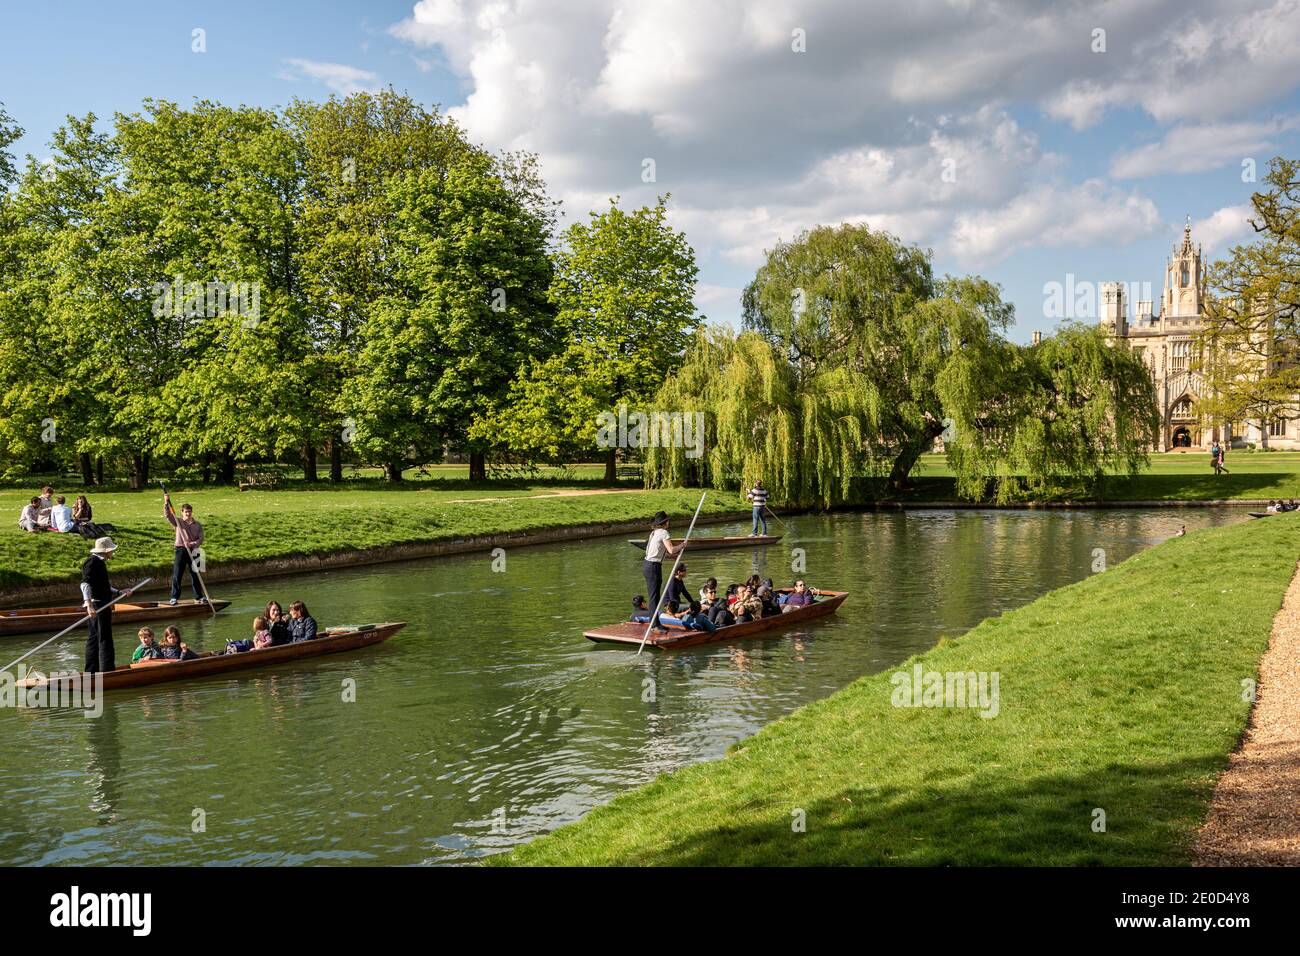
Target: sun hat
[(103, 546), (659, 520)]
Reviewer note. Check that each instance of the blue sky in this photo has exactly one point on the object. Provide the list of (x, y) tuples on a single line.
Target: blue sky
[(1063, 158)]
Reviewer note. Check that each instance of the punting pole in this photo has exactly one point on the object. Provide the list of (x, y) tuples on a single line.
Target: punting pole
[(127, 593), (776, 516), (194, 571), (663, 589)]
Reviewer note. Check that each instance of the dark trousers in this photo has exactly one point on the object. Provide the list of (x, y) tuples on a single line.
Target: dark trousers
[(654, 584), (182, 562), (99, 643)]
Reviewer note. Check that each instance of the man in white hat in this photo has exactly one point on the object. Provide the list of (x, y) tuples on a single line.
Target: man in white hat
[(96, 592)]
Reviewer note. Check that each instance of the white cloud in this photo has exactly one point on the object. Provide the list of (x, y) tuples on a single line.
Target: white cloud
[(1087, 214), (1197, 148), (757, 142), (339, 77), (1224, 226)]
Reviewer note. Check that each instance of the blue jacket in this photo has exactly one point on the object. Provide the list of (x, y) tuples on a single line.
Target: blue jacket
[(302, 629)]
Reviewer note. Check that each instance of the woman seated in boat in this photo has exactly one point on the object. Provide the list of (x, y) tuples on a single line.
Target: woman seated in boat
[(716, 608), (173, 648), (678, 594), (302, 626), (148, 650), (640, 611), (277, 623), (799, 597), (695, 618), (767, 602)]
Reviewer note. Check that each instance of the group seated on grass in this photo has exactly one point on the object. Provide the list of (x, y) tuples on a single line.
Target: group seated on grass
[(47, 512), (742, 603), (271, 628), (1276, 507)]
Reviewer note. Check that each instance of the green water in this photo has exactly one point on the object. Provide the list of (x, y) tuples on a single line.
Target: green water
[(489, 719)]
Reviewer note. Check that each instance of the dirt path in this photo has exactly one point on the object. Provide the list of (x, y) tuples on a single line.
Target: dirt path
[(1254, 817), (563, 493)]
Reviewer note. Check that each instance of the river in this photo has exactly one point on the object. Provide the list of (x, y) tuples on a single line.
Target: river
[(490, 719)]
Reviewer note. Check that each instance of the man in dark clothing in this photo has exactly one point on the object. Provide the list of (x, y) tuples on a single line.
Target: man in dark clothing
[(678, 594), (96, 593)]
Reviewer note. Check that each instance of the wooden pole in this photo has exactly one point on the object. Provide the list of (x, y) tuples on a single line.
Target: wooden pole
[(663, 590), (127, 593)]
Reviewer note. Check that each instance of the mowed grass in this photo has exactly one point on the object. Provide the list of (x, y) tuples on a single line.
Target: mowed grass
[(261, 525), (1172, 476), (1121, 694)]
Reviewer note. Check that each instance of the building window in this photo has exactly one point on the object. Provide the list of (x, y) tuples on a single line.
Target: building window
[(1277, 429), (1178, 354), (1182, 409)]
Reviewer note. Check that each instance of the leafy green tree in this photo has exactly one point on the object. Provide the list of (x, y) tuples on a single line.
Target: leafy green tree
[(1248, 350), (469, 304), (623, 292)]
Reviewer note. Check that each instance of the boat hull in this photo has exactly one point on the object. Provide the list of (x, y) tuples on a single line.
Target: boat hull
[(145, 673), (629, 633), (717, 544), (37, 619)]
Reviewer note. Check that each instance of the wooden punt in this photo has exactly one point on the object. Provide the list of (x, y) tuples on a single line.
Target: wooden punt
[(334, 640), (29, 620), (1262, 514), (630, 633), (717, 544)]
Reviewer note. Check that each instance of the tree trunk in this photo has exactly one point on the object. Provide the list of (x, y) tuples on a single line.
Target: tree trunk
[(226, 469), (393, 470), (309, 464), (207, 468), (139, 471), (87, 469), (907, 458), (477, 466), (611, 471), (336, 458), (99, 470)]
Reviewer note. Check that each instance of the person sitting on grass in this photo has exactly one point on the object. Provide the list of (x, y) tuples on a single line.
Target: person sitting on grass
[(30, 519), (147, 651), (61, 516), (640, 612), (174, 649), (302, 626)]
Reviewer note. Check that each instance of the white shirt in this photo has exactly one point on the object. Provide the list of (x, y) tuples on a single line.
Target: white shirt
[(656, 548), (61, 518)]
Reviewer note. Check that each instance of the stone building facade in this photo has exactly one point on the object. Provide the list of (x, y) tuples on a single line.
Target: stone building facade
[(1165, 339)]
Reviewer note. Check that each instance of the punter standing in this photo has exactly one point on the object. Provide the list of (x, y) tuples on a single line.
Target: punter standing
[(758, 495), (96, 593), (189, 536), (659, 546)]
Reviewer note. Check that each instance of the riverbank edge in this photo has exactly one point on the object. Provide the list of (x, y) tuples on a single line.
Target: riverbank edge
[(66, 591), (593, 831)]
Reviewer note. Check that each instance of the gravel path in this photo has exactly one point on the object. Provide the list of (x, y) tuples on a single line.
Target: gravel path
[(1254, 817)]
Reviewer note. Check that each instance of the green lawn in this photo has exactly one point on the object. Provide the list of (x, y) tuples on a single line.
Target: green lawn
[(1120, 693), (1171, 477), (253, 525)]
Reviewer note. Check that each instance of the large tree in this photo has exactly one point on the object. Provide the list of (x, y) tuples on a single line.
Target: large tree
[(623, 291), (1248, 351)]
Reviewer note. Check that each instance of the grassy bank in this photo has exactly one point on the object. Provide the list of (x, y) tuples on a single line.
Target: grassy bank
[(1173, 477), (1121, 693), (263, 525)]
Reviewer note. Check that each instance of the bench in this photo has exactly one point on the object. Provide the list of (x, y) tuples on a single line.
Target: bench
[(628, 471), (260, 479)]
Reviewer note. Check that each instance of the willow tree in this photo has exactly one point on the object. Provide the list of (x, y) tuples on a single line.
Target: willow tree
[(1249, 347), (1071, 409)]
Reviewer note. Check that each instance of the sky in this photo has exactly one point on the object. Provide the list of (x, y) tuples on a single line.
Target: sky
[(1032, 142)]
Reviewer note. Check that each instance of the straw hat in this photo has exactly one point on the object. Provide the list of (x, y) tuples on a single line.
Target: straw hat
[(103, 546)]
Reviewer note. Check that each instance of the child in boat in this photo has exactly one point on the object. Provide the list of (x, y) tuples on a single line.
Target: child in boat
[(640, 612), (261, 633), (147, 650), (173, 648)]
